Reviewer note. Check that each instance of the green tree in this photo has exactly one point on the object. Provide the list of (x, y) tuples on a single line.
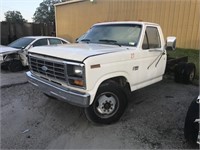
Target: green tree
[(14, 17), (45, 12)]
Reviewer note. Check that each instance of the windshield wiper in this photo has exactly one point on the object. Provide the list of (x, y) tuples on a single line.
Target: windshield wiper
[(109, 41), (85, 40), (17, 47)]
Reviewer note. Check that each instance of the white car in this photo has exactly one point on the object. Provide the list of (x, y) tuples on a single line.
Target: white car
[(13, 56)]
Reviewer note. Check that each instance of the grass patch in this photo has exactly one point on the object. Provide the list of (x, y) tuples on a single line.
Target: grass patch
[(193, 56)]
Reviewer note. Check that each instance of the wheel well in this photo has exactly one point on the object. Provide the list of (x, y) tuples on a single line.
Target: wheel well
[(11, 57), (122, 81)]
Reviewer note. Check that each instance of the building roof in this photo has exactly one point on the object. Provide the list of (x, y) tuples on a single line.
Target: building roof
[(69, 2)]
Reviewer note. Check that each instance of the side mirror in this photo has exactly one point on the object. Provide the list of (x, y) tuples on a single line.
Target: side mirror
[(171, 43)]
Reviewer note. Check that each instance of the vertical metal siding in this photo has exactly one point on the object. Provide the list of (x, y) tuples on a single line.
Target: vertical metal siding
[(177, 17)]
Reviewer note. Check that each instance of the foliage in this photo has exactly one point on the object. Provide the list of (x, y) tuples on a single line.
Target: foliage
[(193, 56), (14, 17), (45, 12)]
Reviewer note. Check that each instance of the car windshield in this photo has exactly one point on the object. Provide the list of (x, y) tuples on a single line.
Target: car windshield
[(21, 43), (117, 34)]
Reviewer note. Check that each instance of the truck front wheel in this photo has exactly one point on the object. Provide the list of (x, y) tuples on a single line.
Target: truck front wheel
[(109, 104)]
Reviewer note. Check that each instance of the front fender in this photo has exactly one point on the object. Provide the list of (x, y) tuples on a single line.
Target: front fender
[(104, 78)]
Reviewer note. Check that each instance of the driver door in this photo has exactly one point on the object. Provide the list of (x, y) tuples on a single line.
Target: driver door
[(151, 59)]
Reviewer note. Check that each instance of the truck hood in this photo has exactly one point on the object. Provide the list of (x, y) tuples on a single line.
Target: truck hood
[(7, 50), (76, 52)]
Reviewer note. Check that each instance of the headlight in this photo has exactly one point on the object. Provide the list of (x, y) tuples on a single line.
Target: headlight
[(75, 71), (78, 71), (75, 75)]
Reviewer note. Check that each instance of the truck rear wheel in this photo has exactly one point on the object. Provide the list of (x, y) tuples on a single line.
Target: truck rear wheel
[(184, 72), (189, 73), (108, 106), (179, 72)]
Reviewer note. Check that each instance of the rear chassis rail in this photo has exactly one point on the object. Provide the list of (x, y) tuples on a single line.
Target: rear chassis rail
[(172, 62)]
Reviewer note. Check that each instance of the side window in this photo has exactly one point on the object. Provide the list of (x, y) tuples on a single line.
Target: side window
[(151, 39), (54, 41), (40, 42), (64, 42)]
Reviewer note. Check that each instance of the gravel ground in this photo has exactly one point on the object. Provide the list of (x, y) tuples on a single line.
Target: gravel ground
[(154, 119)]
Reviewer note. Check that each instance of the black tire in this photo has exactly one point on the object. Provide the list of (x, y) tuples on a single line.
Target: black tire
[(179, 72), (4, 65), (109, 104), (191, 128), (189, 73), (15, 65)]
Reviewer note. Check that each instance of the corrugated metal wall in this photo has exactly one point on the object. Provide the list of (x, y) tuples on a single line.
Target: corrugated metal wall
[(180, 18)]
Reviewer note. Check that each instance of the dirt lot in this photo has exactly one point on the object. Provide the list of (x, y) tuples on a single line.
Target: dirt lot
[(154, 119)]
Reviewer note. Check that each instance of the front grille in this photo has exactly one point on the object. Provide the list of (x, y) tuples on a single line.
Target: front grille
[(51, 69)]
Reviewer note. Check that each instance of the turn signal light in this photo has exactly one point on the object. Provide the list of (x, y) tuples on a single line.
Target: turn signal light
[(78, 82)]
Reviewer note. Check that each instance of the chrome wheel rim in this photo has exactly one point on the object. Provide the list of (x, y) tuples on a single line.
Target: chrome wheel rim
[(107, 104), (191, 77)]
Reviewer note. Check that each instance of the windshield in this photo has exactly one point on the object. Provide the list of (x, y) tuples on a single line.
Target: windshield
[(120, 34), (21, 43)]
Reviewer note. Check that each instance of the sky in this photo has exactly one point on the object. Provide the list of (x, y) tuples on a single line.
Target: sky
[(26, 7)]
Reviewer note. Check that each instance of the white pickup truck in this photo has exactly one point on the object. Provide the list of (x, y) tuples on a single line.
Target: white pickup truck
[(98, 73)]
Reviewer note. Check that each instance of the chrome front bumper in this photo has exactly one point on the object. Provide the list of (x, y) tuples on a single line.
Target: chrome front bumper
[(59, 92)]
